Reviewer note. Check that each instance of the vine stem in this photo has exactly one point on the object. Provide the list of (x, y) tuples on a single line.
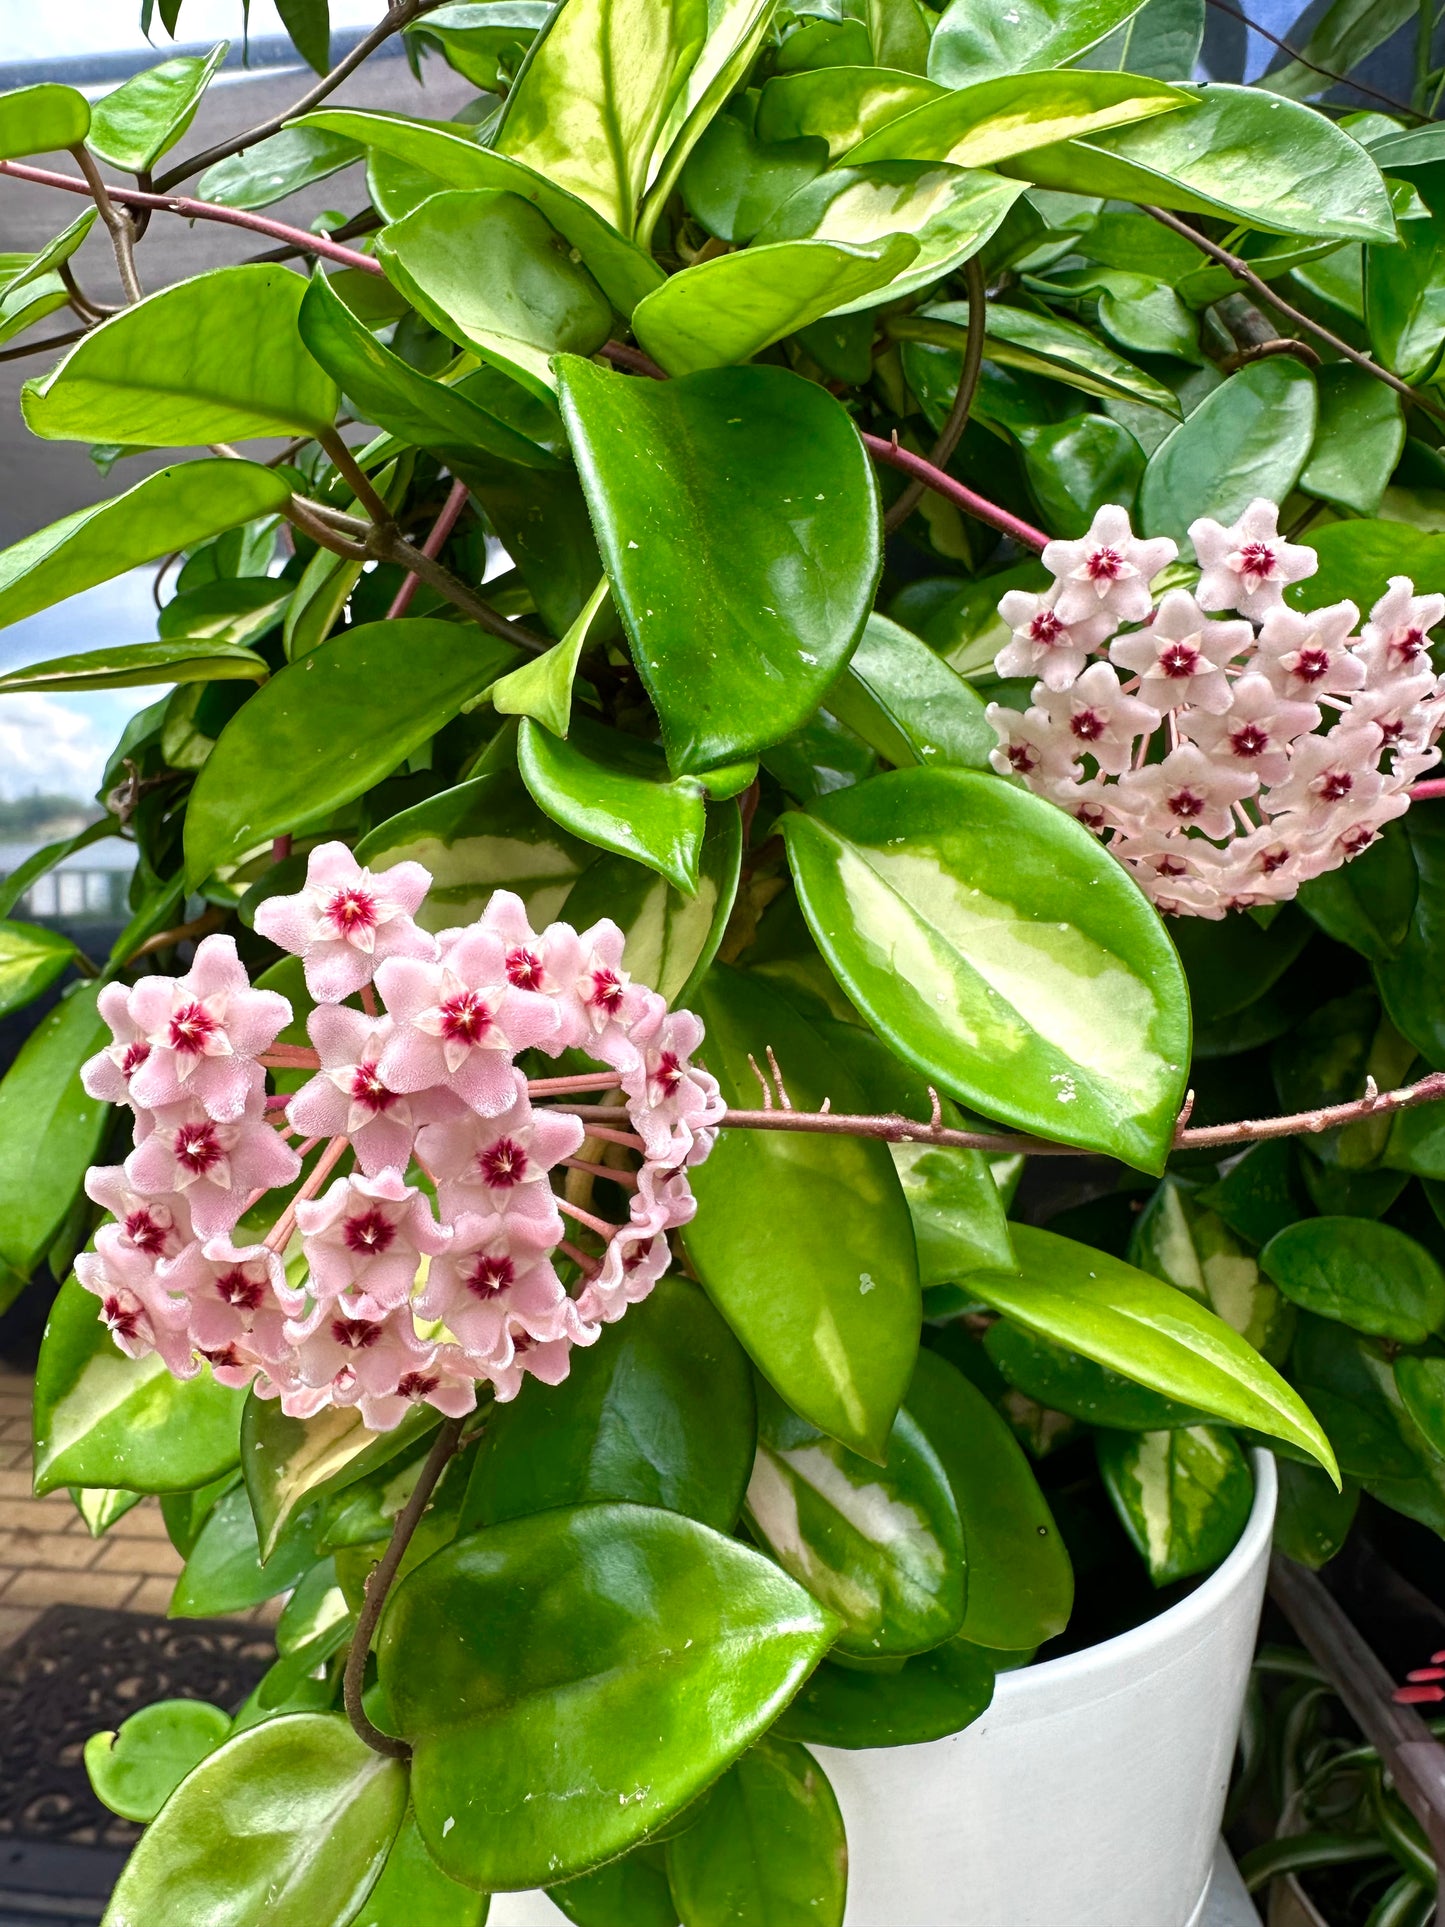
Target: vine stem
[(190, 209), (931, 476), (1325, 73), (378, 1585), (1422, 792), (432, 547), (957, 421)]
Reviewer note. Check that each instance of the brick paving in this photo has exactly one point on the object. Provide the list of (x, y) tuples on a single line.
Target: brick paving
[(47, 1556)]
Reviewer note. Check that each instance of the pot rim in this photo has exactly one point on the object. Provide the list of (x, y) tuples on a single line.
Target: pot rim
[(1177, 1621)]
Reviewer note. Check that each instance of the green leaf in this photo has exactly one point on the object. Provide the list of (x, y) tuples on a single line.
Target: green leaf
[(1348, 1381), (633, 1889), (19, 880), (738, 520), (1075, 467), (31, 958), (534, 302), (731, 308), (291, 1819), (1261, 1193), (992, 943), (658, 1412), (134, 665), (175, 507), (974, 42), (224, 1573), (1358, 440), (1250, 436), (290, 1463), (1356, 559), (1410, 983), (882, 1549), (1175, 1238), (624, 273), (1020, 1582), (101, 1508), (1183, 1496), (826, 1214), (136, 1770), (380, 690), (412, 1890), (147, 114), (988, 123), (613, 791), (482, 836), (542, 688), (1369, 901), (1066, 1382), (42, 120), (1151, 1332), (214, 359), (660, 1647), (234, 609), (51, 256), (596, 94), (1365, 1274), (1343, 35), (767, 1846), (1312, 1519), (671, 939), (950, 211), (841, 105), (397, 397), (906, 702), (482, 41), (277, 167), (1039, 344), (734, 183), (930, 1696), (50, 1131), (102, 1419), (1404, 297), (30, 302), (1241, 153)]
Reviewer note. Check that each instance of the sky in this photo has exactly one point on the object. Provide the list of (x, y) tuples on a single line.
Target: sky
[(53, 29)]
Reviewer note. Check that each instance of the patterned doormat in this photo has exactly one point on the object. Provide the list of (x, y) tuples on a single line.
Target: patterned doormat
[(81, 1670)]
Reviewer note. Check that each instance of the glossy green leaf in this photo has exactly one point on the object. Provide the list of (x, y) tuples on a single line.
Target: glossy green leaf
[(1365, 1274), (1349, 1383), (734, 183), (671, 939), (100, 1508), (30, 302), (42, 120), (1020, 1581), (624, 273), (930, 1696), (178, 506), (289, 1821), (412, 1890), (50, 257), (1261, 1193), (535, 301), (1157, 1335), (1163, 39), (600, 86), (612, 790), (1311, 1519), (1369, 901), (987, 123), (840, 105), (1404, 294), (1177, 1239), (1251, 436), (397, 397), (50, 1131), (731, 308), (827, 1215), (658, 1412), (482, 41), (973, 42), (951, 212), (381, 690), (738, 520), (135, 1771), (991, 942), (1038, 344), (633, 1889), (146, 115), (482, 836), (1356, 559), (309, 24), (214, 359), (224, 1573), (1410, 983), (1075, 467), (289, 1462), (1239, 152), (906, 702), (883, 1549), (542, 688), (31, 958), (277, 167), (43, 860), (231, 610), (1358, 439), (1183, 1495), (661, 1648), (1065, 1381), (767, 1846), (102, 1419), (134, 665)]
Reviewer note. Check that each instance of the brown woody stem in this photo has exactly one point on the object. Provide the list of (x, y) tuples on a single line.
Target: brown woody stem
[(122, 232), (957, 421), (436, 541)]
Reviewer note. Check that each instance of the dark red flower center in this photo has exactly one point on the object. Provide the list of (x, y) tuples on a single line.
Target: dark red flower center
[(1021, 757), (1274, 859), (144, 1230), (356, 1334), (638, 1256), (1046, 628), (1410, 643), (525, 969), (239, 1290), (351, 909), (466, 1018), (1311, 664), (415, 1385), (1256, 558), (1336, 784), (1358, 837), (488, 1277), (1178, 659), (607, 991), (670, 1072), (1172, 866), (135, 1055), (226, 1355), (503, 1164), (124, 1320), (1088, 725), (1186, 804), (1104, 565), (197, 1147), (369, 1233), (1249, 740), (368, 1089), (192, 1028)]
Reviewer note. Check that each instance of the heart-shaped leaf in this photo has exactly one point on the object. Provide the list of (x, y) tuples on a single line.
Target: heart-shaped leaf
[(992, 120), (613, 790), (928, 1697), (146, 115), (737, 516), (136, 1770), (1183, 1495), (290, 1818), (412, 1890), (991, 941), (734, 183), (1358, 439), (42, 119), (380, 690), (665, 1648), (972, 42), (1365, 1274), (214, 359), (1251, 436)]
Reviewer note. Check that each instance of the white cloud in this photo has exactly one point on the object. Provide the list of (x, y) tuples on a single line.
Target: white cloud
[(46, 746), (108, 26)]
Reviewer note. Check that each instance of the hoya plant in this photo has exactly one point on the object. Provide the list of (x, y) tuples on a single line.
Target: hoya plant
[(795, 612)]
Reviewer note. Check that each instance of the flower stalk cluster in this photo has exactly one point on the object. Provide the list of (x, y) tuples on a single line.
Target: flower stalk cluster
[(1225, 758), (420, 1252)]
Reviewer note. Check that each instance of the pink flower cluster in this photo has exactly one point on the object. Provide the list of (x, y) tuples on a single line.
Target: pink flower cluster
[(1194, 745), (366, 1293)]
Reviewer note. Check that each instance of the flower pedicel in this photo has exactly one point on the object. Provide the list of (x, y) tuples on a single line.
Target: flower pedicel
[(430, 1080)]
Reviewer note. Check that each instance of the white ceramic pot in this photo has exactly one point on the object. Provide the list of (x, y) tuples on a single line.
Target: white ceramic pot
[(1090, 1792)]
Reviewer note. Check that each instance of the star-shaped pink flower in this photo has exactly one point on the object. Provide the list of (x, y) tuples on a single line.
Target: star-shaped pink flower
[(1249, 565), (1186, 791), (160, 1226), (500, 1163), (239, 1302), (348, 1097), (1032, 745), (347, 921), (1255, 733), (204, 1031), (141, 1314), (1309, 656), (1181, 656), (1326, 771), (366, 1237), (674, 1102), (1043, 645), (604, 1012), (1103, 722), (1107, 571), (109, 1073), (1396, 639), (497, 1269), (217, 1166)]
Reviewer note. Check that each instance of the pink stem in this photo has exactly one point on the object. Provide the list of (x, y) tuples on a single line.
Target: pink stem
[(431, 548), (279, 1235), (613, 1173), (280, 848), (579, 1257), (588, 1081), (1422, 792), (289, 1057), (976, 505), (368, 1000), (603, 1229)]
